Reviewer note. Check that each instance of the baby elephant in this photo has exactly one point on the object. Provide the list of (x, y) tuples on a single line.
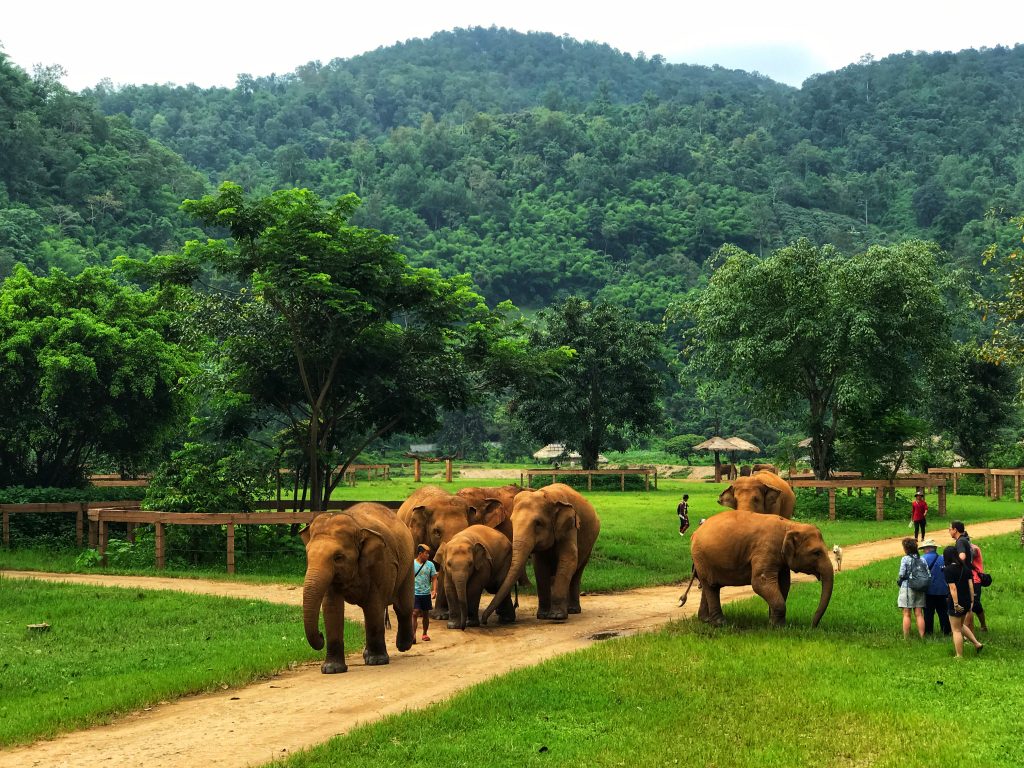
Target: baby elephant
[(473, 560)]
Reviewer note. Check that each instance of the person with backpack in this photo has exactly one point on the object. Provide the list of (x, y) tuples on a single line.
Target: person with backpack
[(935, 597), (913, 580)]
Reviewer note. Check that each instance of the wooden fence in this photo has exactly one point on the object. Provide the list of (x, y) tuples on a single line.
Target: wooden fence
[(526, 475), (77, 508), (102, 518), (880, 487), (994, 479)]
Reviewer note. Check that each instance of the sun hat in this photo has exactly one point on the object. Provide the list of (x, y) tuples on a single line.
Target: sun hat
[(928, 543), (422, 548)]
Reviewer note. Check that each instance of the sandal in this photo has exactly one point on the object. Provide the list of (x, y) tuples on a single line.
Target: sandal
[(426, 637)]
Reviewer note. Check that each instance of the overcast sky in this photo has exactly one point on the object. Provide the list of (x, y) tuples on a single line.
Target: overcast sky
[(209, 42)]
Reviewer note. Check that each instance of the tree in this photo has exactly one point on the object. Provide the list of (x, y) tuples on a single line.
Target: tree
[(682, 445), (89, 367), (838, 333), (336, 333), (606, 392)]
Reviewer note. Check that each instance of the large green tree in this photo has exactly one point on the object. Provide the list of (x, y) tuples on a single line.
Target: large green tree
[(608, 391), (336, 332), (88, 367), (840, 334)]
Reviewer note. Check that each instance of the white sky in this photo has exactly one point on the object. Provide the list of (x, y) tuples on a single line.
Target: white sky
[(209, 42)]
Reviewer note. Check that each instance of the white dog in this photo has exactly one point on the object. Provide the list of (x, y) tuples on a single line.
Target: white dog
[(838, 552)]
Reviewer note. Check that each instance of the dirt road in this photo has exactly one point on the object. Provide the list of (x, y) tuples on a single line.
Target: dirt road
[(267, 720)]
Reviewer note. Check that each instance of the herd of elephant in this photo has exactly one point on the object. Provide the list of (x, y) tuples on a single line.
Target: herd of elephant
[(481, 539)]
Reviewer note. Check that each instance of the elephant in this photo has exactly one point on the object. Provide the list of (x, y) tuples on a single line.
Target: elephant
[(475, 560), (433, 516), (362, 556), (766, 468), (762, 492), (736, 547), (558, 527), (499, 517)]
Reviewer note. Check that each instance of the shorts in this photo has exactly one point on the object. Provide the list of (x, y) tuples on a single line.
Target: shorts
[(422, 603), (952, 611), (908, 598), (976, 606)]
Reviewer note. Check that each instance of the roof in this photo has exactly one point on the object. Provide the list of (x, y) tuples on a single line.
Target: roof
[(715, 444)]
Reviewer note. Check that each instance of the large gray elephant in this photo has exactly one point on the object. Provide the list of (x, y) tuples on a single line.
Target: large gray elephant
[(558, 527), (475, 560), (362, 556), (738, 547)]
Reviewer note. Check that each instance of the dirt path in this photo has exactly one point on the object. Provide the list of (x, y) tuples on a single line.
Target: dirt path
[(267, 720)]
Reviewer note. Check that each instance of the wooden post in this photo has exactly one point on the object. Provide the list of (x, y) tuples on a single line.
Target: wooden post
[(831, 503), (647, 480), (79, 526), (956, 478), (103, 542), (447, 470), (161, 560), (655, 478), (1016, 487), (942, 500), (131, 532), (590, 481), (529, 479), (879, 503), (416, 470), (7, 528), (622, 481), (231, 547)]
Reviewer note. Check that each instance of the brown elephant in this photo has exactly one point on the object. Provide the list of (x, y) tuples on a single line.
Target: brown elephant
[(434, 515), (762, 492), (736, 547), (361, 556), (475, 560), (486, 512), (558, 527), (766, 468)]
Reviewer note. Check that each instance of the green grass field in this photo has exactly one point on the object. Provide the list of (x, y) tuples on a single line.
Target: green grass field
[(688, 693)]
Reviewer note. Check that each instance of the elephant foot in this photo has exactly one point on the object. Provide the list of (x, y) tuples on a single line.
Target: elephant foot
[(473, 621), (333, 667), (454, 625), (507, 619), (553, 615), (441, 614), (376, 659), (404, 644), (575, 609)]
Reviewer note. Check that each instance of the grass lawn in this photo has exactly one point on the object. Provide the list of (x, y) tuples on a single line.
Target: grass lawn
[(112, 651), (852, 692)]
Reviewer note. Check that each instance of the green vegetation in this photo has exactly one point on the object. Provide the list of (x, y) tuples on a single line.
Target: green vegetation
[(742, 696), (129, 649)]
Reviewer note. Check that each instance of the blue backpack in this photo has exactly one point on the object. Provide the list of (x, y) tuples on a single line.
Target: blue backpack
[(919, 578)]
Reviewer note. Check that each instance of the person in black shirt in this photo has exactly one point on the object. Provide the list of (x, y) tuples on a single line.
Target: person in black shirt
[(961, 596), (683, 510)]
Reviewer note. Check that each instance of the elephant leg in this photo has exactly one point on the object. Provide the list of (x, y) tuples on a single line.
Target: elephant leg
[(473, 591), (543, 574), (441, 609), (455, 618), (711, 606), (406, 635), (767, 586), (334, 630), (574, 590), (375, 651), (564, 574)]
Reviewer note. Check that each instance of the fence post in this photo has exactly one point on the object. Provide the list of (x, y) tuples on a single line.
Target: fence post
[(879, 503), (1016, 487), (160, 559), (447, 470), (231, 547), (831, 503), (7, 528), (956, 478), (79, 527), (416, 470), (942, 500), (622, 481), (103, 541)]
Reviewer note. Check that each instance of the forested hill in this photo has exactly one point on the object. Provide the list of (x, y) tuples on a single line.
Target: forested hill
[(545, 166), (76, 187)]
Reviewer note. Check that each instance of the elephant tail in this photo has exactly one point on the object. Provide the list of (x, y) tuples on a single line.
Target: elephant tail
[(387, 618), (693, 576)]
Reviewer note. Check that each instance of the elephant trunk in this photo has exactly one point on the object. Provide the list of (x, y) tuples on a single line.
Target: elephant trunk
[(521, 550), (827, 576), (313, 590)]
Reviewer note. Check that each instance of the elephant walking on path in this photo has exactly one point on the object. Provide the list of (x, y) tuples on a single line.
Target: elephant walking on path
[(475, 560)]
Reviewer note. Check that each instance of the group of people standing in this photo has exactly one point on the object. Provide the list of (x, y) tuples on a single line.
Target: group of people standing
[(954, 590)]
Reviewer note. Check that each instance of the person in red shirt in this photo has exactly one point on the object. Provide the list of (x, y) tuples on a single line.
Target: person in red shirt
[(919, 514)]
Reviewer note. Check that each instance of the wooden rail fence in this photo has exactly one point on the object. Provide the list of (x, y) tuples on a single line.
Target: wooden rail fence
[(994, 479), (103, 517), (77, 508), (880, 486), (526, 475)]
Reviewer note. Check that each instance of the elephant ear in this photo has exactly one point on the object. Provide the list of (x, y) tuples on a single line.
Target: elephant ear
[(790, 545), (727, 498), (304, 534), (419, 517), (493, 513), (481, 557), (771, 497), (565, 517)]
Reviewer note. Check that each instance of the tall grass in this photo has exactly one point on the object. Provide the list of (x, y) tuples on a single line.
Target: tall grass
[(852, 692)]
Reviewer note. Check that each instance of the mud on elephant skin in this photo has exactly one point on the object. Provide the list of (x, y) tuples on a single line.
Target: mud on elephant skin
[(736, 548), (361, 556), (475, 560), (557, 527), (762, 492)]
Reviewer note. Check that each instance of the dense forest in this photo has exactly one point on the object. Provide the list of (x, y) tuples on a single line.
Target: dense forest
[(542, 167)]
